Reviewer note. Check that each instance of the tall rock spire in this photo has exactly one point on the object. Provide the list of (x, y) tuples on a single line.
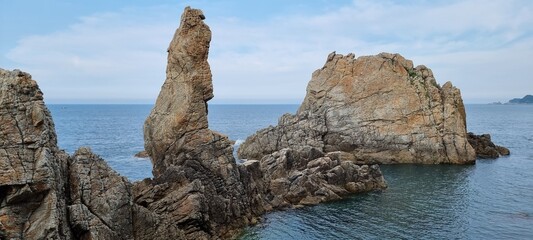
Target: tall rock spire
[(181, 107)]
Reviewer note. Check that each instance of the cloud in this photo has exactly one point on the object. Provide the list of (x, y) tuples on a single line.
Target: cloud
[(482, 47)]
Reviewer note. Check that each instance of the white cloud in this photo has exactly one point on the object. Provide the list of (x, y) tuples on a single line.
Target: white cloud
[(478, 45)]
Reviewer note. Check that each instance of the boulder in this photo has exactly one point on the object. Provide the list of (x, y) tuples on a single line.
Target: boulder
[(374, 109), (485, 148)]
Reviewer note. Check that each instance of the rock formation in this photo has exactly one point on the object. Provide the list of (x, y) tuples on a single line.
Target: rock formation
[(196, 188), (305, 176), (44, 193), (198, 191), (373, 109), (485, 148), (101, 205), (32, 168)]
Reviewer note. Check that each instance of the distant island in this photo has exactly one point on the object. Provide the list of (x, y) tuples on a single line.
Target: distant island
[(528, 99)]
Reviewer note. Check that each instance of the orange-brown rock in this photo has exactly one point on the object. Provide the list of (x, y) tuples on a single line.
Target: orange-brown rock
[(374, 109), (196, 191)]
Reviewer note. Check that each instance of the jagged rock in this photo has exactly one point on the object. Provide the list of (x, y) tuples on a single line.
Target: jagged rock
[(142, 154), (181, 107), (374, 109), (101, 203), (196, 189), (306, 176), (484, 146), (33, 170)]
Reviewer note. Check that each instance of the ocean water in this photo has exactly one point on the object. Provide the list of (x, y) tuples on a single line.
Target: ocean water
[(492, 199)]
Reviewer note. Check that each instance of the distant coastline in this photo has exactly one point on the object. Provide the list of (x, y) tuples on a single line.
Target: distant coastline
[(528, 99)]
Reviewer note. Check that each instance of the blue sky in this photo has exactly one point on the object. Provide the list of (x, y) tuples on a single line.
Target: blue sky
[(263, 51)]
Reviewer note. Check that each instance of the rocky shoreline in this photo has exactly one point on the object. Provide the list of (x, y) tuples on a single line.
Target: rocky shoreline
[(328, 150)]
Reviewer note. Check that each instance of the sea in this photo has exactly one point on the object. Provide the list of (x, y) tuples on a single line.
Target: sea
[(492, 199)]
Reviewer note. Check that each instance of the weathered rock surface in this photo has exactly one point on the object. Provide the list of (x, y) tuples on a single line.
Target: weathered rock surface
[(485, 148), (181, 107), (196, 188), (305, 177), (198, 191), (32, 169), (373, 109), (101, 203)]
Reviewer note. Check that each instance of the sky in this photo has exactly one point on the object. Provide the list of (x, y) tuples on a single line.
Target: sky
[(102, 51)]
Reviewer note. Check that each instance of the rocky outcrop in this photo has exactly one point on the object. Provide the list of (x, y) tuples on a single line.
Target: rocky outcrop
[(141, 154), (196, 188), (32, 169), (373, 109), (101, 203), (44, 193), (485, 148), (305, 176), (198, 191), (181, 107)]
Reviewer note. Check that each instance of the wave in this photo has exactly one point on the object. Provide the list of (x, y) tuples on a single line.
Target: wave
[(238, 142)]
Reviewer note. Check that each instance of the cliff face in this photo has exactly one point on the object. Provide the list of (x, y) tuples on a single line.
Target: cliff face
[(32, 169), (45, 193), (373, 109)]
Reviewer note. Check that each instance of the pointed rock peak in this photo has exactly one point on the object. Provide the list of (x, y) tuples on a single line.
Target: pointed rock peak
[(181, 106)]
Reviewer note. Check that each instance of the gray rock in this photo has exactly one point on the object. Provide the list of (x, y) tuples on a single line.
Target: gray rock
[(33, 171), (101, 200)]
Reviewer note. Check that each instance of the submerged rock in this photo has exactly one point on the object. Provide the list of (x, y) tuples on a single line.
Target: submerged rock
[(485, 148), (373, 109)]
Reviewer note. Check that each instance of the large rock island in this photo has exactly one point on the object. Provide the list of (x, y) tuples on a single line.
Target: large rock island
[(373, 109), (198, 191)]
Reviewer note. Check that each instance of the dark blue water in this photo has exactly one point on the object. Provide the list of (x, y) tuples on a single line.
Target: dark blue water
[(490, 200)]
